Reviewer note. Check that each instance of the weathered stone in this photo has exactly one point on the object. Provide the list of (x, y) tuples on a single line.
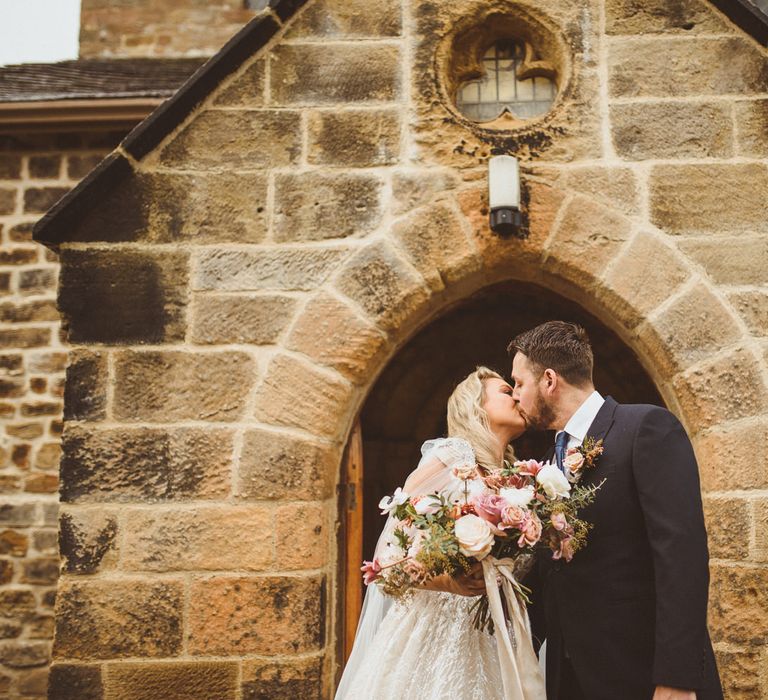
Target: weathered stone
[(78, 166), (45, 167), (355, 139), (651, 16), (319, 206), (251, 139), (693, 328), (201, 538), (18, 256), (16, 603), (257, 615), (437, 245), (333, 334), (669, 68), (246, 89), (7, 201), (85, 391), (87, 541), (726, 517), (42, 570), (740, 672), (245, 270), (12, 388), (615, 187), (42, 483), (411, 189), (672, 130), (20, 456), (10, 630), (302, 536), (24, 431), (44, 310), (46, 541), (41, 627), (697, 199), (275, 466), (38, 200), (25, 337), (6, 571), (10, 166), (38, 281), (383, 285), (738, 605), (296, 394), (22, 654), (727, 260), (41, 408), (201, 680), (258, 320), (145, 464), (48, 455), (752, 127), (21, 233), (149, 614), (123, 296), (21, 515), (299, 679), (38, 384), (13, 543), (169, 386), (332, 73), (760, 524), (353, 18), (730, 387), (753, 308), (34, 683)]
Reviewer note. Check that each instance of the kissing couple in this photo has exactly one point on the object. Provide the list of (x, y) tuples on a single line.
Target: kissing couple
[(622, 618)]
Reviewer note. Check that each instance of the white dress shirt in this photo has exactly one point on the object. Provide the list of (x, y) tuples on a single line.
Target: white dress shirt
[(579, 423)]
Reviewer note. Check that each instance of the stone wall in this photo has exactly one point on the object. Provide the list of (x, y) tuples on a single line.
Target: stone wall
[(290, 236), (35, 170)]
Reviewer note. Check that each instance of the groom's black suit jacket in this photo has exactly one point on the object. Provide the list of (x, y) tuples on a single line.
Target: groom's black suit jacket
[(630, 609)]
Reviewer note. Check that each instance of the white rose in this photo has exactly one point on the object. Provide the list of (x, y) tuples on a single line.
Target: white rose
[(474, 535), (553, 482), (426, 504), (475, 487), (518, 497), (388, 504)]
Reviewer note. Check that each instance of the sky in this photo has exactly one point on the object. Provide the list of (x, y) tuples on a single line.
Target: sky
[(38, 31)]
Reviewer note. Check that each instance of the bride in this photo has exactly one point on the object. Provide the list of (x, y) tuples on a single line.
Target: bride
[(427, 647)]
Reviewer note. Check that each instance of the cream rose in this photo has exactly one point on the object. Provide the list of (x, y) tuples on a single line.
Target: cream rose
[(474, 535), (553, 482), (574, 461)]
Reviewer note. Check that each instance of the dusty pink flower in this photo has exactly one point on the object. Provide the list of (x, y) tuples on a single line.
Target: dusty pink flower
[(559, 521), (565, 551), (371, 571), (488, 506), (529, 467), (513, 516), (465, 472), (416, 571), (530, 531), (574, 460)]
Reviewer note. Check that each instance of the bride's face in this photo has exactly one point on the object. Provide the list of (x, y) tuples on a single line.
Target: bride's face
[(502, 409)]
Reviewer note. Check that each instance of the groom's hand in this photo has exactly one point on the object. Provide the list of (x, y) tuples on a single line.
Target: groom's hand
[(469, 584), (664, 693)]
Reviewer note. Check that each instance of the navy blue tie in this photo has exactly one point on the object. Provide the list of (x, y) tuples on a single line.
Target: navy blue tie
[(561, 444)]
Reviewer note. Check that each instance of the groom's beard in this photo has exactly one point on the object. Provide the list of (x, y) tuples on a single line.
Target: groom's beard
[(541, 417)]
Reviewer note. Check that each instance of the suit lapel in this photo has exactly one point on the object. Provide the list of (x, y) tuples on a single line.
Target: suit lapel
[(598, 430)]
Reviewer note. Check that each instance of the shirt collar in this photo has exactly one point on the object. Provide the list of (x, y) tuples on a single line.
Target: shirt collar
[(579, 423)]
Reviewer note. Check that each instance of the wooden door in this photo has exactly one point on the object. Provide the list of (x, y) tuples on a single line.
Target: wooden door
[(353, 520)]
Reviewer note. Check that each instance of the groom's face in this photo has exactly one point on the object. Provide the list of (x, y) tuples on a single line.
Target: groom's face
[(528, 394)]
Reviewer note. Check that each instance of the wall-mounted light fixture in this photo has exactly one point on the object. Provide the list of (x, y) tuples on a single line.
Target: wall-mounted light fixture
[(504, 195)]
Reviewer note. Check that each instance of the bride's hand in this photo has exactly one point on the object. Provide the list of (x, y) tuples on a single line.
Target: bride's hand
[(464, 584)]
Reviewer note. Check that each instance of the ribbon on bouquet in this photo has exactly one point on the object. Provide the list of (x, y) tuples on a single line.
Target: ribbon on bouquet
[(520, 671)]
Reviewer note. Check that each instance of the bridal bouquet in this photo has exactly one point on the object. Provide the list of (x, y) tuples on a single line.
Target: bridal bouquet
[(507, 514)]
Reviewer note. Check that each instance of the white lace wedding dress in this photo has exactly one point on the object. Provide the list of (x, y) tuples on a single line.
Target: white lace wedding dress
[(426, 647)]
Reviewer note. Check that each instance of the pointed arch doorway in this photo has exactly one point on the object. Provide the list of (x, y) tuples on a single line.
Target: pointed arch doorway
[(407, 405)]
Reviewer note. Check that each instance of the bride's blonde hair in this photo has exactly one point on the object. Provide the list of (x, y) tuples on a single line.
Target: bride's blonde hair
[(467, 418)]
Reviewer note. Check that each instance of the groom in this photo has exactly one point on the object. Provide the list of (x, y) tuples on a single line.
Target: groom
[(626, 619)]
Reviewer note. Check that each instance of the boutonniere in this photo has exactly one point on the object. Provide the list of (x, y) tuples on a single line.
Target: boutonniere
[(579, 459)]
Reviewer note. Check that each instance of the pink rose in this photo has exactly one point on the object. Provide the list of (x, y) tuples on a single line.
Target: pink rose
[(371, 571), (559, 521), (530, 531), (513, 516), (416, 571), (573, 461), (529, 467), (565, 551), (489, 506)]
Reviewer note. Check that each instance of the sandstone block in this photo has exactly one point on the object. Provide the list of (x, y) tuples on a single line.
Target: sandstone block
[(760, 520), (383, 285), (7, 201), (38, 281), (79, 166), (201, 680), (355, 139), (258, 320), (672, 130), (34, 682), (302, 536), (332, 334), (328, 74), (75, 682), (295, 394), (411, 189), (695, 327), (728, 388), (145, 464), (46, 541), (13, 543), (248, 139), (41, 408), (726, 517), (42, 483), (615, 187), (44, 167), (25, 338), (85, 390), (23, 654), (123, 296), (657, 16), (319, 206), (245, 90), (24, 431), (40, 571), (354, 18), (16, 603), (10, 166), (208, 386), (6, 571), (299, 679), (21, 515), (752, 127), (753, 308), (287, 270), (48, 455), (738, 604), (41, 627), (706, 199), (87, 541), (276, 466), (38, 200), (634, 290), (149, 613), (257, 615), (437, 245), (18, 256), (739, 672), (44, 310), (669, 68), (730, 261), (201, 538)]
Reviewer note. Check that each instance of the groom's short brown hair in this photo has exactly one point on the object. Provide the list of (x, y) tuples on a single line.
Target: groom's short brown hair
[(558, 345)]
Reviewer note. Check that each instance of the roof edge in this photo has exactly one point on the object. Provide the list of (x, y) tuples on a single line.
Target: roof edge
[(746, 17)]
